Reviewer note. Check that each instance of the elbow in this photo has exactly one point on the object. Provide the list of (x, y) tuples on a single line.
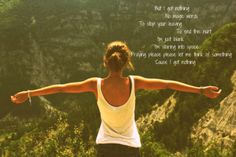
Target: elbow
[(168, 85)]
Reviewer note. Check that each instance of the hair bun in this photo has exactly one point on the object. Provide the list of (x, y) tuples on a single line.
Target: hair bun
[(117, 56), (115, 61)]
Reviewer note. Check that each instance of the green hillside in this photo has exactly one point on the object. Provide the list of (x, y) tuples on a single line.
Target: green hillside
[(174, 131), (58, 41)]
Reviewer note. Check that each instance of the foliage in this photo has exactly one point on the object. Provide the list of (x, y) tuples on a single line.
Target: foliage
[(151, 148), (198, 150), (58, 41)]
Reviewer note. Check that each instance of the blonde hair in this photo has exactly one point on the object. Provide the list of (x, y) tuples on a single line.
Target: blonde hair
[(118, 56)]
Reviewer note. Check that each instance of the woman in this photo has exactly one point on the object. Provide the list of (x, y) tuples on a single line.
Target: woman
[(118, 135)]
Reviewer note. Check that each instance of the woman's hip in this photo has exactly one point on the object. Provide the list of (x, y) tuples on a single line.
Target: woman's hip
[(117, 150)]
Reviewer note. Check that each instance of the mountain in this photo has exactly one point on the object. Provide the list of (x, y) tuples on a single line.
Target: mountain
[(189, 125), (59, 41), (217, 128)]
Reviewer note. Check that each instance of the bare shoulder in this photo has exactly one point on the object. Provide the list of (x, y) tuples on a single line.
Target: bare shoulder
[(92, 82), (137, 77), (92, 79), (139, 81)]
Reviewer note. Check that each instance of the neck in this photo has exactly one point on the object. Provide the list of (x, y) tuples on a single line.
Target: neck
[(115, 74)]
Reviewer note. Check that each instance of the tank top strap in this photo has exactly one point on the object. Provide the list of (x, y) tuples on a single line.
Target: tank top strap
[(132, 85), (99, 80), (99, 90)]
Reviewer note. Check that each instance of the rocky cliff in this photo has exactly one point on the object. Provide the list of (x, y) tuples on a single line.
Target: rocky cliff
[(46, 42), (218, 127)]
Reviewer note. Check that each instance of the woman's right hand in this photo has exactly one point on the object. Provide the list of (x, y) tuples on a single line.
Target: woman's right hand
[(19, 97), (211, 91)]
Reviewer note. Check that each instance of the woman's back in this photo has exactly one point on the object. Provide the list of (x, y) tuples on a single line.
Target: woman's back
[(116, 90), (118, 118)]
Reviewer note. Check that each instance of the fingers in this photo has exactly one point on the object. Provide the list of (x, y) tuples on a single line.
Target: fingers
[(19, 97), (15, 100), (219, 91), (214, 88), (212, 92), (216, 94), (12, 98)]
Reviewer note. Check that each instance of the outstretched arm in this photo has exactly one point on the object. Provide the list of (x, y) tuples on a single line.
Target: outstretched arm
[(88, 85), (147, 83)]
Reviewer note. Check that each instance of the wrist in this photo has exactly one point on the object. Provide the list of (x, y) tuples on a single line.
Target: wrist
[(29, 96), (201, 90)]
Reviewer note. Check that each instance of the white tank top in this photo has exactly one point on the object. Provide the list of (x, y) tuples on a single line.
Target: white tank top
[(117, 123)]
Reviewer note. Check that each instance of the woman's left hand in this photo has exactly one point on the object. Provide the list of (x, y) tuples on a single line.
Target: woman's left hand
[(19, 97), (211, 91)]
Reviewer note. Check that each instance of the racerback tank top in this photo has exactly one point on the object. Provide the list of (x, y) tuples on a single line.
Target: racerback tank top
[(117, 123)]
